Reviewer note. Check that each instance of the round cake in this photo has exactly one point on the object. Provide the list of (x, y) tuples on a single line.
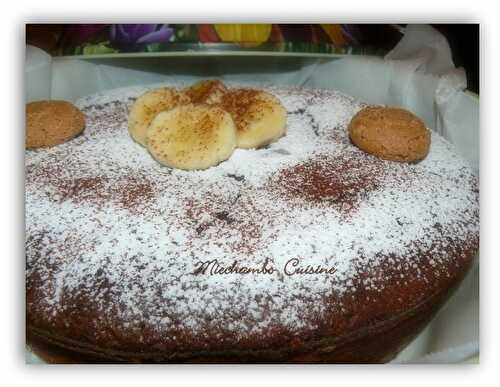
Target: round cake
[(306, 250)]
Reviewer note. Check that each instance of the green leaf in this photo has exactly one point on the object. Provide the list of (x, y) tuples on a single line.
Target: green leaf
[(99, 48), (153, 47)]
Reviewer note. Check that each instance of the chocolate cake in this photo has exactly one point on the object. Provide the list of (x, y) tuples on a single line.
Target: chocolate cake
[(308, 250)]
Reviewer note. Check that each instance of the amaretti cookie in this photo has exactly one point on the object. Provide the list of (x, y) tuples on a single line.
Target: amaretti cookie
[(390, 133), (50, 123)]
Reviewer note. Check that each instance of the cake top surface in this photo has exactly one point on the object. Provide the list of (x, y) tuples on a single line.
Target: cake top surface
[(109, 228)]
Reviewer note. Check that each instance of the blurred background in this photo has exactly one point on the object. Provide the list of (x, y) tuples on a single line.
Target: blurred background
[(93, 40)]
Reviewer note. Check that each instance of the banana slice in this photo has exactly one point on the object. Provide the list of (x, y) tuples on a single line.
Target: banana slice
[(192, 137), (210, 92), (148, 105), (259, 117)]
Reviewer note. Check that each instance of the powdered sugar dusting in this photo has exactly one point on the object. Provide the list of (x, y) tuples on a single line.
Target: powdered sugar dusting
[(108, 224)]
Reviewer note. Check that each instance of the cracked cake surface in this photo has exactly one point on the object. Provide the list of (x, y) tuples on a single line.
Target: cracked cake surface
[(116, 243)]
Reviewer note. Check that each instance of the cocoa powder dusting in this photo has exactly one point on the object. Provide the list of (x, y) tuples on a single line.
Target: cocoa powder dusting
[(209, 122), (129, 192), (242, 104), (337, 181), (90, 189), (135, 191), (201, 93)]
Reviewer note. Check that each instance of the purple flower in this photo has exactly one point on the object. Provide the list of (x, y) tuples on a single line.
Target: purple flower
[(132, 37)]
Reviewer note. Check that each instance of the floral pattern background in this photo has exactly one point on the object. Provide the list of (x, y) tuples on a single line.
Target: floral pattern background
[(97, 39)]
